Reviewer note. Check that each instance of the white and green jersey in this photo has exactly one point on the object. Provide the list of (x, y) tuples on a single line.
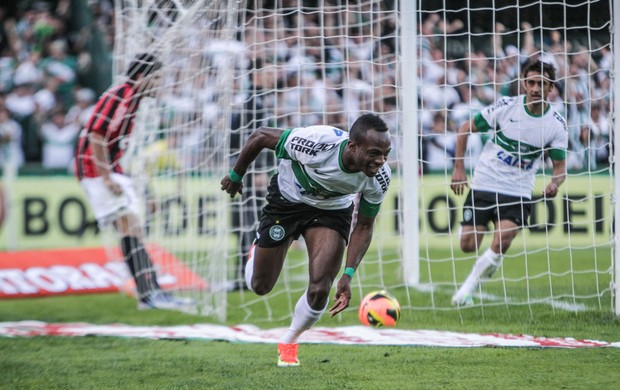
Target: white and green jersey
[(510, 160), (311, 171)]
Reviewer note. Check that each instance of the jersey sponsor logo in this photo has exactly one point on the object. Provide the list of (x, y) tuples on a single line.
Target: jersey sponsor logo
[(515, 161), (338, 132), (276, 232), (501, 103), (383, 178), (560, 119), (309, 147)]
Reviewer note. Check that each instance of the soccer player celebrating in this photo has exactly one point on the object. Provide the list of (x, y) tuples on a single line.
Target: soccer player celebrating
[(110, 192), (321, 171), (524, 129)]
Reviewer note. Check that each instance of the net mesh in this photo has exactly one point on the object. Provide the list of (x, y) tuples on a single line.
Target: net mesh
[(233, 66)]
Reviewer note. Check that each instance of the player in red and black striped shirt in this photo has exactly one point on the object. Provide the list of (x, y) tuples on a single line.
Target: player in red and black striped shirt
[(109, 191)]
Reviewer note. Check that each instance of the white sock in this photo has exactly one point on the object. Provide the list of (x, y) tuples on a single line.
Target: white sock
[(249, 268), (483, 269), (487, 264), (303, 319)]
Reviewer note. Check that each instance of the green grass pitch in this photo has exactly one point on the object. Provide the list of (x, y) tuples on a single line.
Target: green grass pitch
[(114, 362)]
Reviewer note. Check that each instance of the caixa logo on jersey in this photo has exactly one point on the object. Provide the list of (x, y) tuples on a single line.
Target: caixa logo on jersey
[(309, 147), (515, 161)]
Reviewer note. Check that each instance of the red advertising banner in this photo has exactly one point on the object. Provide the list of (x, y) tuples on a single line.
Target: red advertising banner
[(84, 271)]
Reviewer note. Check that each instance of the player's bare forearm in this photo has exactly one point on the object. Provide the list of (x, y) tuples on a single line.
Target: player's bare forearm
[(559, 172), (262, 138), (360, 239), (459, 178), (559, 175), (358, 245)]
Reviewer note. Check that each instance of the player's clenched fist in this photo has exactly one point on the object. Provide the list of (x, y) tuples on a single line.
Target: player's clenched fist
[(231, 187)]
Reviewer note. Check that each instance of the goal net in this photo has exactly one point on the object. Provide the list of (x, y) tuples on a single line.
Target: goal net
[(469, 58), (181, 140), (233, 66)]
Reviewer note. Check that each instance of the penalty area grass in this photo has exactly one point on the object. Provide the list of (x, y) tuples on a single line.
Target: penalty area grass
[(111, 362), (116, 362)]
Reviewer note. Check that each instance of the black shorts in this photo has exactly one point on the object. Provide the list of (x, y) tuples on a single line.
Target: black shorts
[(282, 219), (481, 207)]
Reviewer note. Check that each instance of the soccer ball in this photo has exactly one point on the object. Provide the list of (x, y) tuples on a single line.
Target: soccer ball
[(379, 308)]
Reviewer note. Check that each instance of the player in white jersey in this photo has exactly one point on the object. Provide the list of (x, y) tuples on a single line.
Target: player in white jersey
[(524, 130), (321, 171)]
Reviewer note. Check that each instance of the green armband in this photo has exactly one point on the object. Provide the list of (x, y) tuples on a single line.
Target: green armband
[(349, 271), (234, 176)]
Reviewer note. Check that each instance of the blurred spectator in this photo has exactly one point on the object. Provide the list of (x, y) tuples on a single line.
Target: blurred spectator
[(45, 98), (79, 113), (599, 135), (10, 140), (438, 155), (325, 67), (28, 72), (20, 101), (7, 68), (61, 66), (59, 140), (22, 106)]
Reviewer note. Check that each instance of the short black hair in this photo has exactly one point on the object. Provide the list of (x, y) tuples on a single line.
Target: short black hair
[(144, 63), (363, 124), (540, 67)]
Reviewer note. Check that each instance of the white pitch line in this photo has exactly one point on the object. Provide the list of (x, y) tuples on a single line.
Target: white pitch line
[(562, 305), (350, 335)]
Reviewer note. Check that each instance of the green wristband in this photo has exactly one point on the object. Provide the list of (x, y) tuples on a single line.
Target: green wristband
[(234, 176), (349, 271)]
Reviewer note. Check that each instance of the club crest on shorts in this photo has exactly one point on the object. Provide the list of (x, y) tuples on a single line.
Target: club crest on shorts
[(467, 214), (276, 232)]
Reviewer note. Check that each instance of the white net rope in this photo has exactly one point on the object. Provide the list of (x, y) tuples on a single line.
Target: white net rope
[(469, 59), (180, 143)]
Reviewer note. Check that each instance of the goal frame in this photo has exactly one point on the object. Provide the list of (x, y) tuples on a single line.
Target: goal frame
[(616, 156)]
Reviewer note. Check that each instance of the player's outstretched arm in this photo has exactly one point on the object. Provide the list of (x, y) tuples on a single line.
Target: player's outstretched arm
[(360, 239), (559, 175), (262, 138), (459, 178)]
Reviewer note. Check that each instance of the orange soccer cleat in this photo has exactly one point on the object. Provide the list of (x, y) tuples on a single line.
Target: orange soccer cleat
[(287, 355)]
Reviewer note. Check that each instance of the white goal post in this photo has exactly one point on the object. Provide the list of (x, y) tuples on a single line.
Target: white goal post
[(425, 67), (616, 156)]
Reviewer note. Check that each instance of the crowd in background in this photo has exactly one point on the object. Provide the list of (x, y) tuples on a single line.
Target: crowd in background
[(44, 94), (304, 69), (452, 88)]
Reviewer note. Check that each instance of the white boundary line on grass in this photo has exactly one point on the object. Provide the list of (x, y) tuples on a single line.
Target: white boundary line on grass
[(351, 335), (562, 305)]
